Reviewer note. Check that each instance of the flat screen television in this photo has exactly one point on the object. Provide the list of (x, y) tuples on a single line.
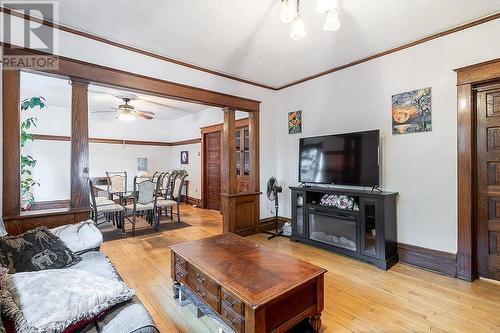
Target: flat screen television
[(341, 159)]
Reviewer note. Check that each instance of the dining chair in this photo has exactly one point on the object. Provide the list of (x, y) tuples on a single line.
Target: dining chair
[(109, 210), (177, 186), (144, 196), (117, 184)]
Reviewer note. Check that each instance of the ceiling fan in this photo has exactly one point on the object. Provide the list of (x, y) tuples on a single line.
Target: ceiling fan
[(127, 112)]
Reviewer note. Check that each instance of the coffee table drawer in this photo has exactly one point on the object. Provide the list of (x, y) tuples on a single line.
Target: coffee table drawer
[(180, 275), (180, 262), (197, 278), (234, 320), (232, 302), (207, 297)]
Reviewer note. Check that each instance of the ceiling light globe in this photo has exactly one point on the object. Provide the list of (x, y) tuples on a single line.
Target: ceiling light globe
[(332, 22), (288, 10), (126, 117), (298, 30), (325, 5)]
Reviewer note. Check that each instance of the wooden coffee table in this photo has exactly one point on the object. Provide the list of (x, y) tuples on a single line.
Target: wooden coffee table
[(250, 287)]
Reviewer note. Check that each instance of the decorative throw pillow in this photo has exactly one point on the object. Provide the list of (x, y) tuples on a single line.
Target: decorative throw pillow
[(69, 296), (35, 250)]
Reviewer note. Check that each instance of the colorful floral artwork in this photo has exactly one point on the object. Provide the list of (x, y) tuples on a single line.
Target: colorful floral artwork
[(295, 122), (411, 112)]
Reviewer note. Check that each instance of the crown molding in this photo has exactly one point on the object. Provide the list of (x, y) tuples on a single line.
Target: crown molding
[(235, 78)]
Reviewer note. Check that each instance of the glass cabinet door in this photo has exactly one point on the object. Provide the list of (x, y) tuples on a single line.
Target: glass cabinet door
[(298, 214), (238, 153), (370, 244), (246, 152)]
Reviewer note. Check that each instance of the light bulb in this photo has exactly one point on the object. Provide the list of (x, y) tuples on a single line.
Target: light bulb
[(332, 22), (126, 117), (298, 31), (325, 5), (288, 10)]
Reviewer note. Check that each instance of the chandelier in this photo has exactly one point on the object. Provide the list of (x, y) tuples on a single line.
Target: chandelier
[(290, 11)]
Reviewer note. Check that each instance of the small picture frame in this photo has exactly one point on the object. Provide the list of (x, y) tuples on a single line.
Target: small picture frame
[(295, 122), (142, 164), (184, 157)]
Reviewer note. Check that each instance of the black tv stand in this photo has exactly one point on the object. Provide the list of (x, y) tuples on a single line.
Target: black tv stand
[(367, 231)]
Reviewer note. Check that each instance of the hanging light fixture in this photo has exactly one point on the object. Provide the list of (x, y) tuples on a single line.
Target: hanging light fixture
[(332, 22), (298, 30), (324, 6), (288, 10)]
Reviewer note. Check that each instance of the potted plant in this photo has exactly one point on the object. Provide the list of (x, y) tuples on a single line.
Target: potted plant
[(27, 162)]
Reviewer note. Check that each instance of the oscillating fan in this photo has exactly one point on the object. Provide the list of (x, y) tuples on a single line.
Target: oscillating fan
[(273, 188)]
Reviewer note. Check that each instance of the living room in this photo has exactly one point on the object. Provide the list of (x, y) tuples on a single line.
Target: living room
[(348, 68)]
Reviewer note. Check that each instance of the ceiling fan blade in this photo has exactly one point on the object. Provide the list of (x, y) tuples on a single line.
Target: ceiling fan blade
[(147, 112), (145, 116)]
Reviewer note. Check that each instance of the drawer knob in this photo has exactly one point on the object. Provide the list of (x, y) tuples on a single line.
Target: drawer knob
[(230, 302), (200, 292), (200, 278)]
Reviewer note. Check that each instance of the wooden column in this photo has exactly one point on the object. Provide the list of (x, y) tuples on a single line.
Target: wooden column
[(79, 145), (240, 211), (229, 185), (254, 134), (11, 146)]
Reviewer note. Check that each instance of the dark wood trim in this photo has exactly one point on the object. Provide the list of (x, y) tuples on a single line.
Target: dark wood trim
[(467, 79), (437, 261), (268, 223), (32, 219), (185, 142), (107, 76), (11, 204), (50, 204), (232, 77), (131, 48), (79, 146), (398, 48), (118, 141), (191, 200), (244, 122), (478, 73), (228, 174)]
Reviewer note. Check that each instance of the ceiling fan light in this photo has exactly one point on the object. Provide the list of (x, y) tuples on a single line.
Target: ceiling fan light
[(298, 30), (332, 22), (126, 117), (325, 5), (288, 10)]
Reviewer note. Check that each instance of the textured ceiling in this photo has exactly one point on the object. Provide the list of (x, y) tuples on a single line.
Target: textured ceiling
[(247, 39)]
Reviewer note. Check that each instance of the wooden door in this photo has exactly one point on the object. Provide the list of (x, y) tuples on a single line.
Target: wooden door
[(488, 181), (213, 170)]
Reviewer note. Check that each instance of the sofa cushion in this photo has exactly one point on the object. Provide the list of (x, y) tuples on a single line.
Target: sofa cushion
[(97, 263), (52, 300), (80, 237), (35, 250)]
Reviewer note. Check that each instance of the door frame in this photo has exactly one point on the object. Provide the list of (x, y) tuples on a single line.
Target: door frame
[(468, 78)]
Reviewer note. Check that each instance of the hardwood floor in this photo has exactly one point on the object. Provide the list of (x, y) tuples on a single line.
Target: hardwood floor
[(358, 296)]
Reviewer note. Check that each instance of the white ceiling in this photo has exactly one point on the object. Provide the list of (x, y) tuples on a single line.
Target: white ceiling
[(57, 92), (247, 39)]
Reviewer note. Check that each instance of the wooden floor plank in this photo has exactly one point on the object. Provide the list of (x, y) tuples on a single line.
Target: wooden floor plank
[(358, 296)]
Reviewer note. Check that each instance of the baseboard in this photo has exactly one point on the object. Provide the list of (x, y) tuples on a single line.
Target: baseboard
[(268, 223), (433, 260), (191, 200), (436, 261)]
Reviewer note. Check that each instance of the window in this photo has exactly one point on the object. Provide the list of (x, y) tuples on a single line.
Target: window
[(45, 122)]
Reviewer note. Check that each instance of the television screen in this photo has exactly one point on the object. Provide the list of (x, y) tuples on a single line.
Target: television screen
[(342, 159)]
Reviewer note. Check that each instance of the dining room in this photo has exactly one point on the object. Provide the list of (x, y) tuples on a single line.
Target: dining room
[(134, 139)]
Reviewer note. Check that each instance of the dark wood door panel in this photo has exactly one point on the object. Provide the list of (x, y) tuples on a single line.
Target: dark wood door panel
[(213, 178), (488, 182)]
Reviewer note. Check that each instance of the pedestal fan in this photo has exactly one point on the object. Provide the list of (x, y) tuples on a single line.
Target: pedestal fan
[(273, 188)]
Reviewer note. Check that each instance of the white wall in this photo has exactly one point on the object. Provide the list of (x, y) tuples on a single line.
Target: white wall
[(421, 167), (193, 168), (91, 51)]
